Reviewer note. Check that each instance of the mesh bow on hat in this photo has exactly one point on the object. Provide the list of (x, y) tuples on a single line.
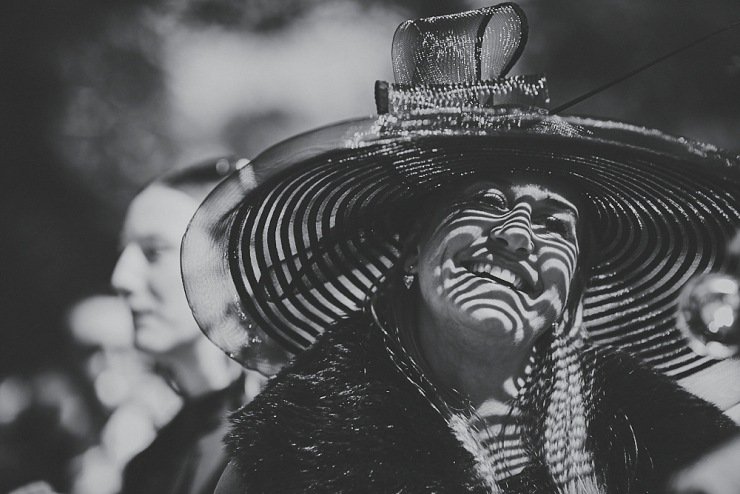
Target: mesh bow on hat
[(295, 241)]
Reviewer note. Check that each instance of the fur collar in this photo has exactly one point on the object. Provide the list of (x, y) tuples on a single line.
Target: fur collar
[(342, 418)]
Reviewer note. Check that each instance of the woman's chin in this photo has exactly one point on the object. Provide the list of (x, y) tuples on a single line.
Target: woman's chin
[(491, 322)]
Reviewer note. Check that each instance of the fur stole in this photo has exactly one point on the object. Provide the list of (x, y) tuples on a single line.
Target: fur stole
[(342, 418)]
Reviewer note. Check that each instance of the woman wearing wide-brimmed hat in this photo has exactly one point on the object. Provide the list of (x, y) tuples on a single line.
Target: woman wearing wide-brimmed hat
[(453, 276)]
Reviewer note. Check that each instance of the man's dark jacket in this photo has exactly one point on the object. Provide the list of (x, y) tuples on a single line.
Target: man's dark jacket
[(187, 456)]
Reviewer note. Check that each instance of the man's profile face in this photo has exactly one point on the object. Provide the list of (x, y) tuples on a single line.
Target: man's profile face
[(147, 273), (500, 259)]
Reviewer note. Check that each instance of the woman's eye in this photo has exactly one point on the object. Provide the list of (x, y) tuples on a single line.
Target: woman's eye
[(492, 202), (555, 225)]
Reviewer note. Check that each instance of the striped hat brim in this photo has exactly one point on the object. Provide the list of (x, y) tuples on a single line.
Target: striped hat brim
[(296, 241)]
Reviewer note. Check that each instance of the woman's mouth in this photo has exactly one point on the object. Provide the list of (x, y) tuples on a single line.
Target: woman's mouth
[(500, 271), (496, 273)]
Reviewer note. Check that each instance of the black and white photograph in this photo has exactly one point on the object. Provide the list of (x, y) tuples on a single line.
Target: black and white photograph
[(370, 246)]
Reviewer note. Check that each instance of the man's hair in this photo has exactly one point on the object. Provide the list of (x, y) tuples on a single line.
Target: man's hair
[(200, 179)]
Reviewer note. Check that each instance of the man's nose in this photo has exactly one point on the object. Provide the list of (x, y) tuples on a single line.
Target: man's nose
[(128, 273), (515, 233)]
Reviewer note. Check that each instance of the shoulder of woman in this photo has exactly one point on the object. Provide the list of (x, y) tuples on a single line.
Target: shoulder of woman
[(620, 382), (646, 417), (342, 391), (343, 369), (616, 376)]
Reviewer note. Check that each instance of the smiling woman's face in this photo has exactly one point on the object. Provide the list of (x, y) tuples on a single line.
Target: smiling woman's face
[(500, 260)]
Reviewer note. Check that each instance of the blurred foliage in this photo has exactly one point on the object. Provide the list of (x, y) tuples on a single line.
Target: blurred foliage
[(114, 126), (270, 15), (695, 93)]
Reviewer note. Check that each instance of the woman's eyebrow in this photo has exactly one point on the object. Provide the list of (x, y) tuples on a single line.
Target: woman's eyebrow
[(491, 194), (557, 203)]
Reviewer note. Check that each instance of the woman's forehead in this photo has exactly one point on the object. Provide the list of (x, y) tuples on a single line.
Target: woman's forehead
[(536, 192)]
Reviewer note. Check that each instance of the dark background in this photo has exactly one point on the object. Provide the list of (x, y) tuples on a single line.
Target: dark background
[(84, 125)]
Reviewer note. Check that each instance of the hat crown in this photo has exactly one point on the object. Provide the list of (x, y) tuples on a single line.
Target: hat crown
[(458, 62), (467, 47)]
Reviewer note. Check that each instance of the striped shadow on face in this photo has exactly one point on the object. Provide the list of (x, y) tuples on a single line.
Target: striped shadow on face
[(500, 260)]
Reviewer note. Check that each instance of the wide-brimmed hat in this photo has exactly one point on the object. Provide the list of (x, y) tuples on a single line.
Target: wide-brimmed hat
[(297, 240)]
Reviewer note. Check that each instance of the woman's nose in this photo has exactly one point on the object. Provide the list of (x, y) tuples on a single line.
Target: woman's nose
[(128, 273), (515, 234)]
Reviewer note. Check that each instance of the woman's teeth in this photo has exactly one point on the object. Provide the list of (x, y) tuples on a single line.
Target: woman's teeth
[(497, 272)]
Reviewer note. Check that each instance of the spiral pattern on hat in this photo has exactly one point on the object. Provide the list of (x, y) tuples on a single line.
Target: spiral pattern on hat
[(312, 244)]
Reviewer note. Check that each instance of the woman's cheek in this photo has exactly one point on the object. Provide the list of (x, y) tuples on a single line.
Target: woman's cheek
[(557, 269)]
